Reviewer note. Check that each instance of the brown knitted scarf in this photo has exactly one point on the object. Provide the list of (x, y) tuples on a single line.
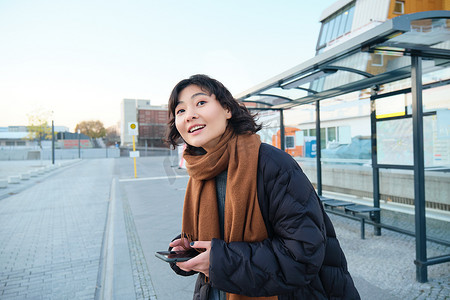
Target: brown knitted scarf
[(243, 219)]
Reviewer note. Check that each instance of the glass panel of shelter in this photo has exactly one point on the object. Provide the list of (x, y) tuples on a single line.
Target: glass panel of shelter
[(373, 64), (392, 59), (289, 93), (394, 119), (387, 56), (423, 34)]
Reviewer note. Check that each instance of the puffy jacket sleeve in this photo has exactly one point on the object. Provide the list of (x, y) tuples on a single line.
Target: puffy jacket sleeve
[(292, 255)]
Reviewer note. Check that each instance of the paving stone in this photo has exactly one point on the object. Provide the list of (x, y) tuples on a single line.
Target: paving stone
[(379, 264), (53, 230), (387, 261)]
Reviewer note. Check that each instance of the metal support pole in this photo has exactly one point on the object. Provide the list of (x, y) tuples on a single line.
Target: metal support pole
[(419, 165), (146, 147), (318, 150), (79, 146), (134, 158), (363, 229), (375, 169), (282, 136), (53, 143)]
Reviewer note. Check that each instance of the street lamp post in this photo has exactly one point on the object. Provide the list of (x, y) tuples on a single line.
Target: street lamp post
[(106, 146), (79, 152), (53, 143)]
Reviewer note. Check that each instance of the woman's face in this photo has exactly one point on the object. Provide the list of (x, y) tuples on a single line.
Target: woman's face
[(199, 117)]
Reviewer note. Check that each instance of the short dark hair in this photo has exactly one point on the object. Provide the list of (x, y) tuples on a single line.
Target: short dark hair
[(241, 121)]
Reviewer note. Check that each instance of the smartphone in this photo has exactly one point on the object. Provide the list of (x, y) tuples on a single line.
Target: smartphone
[(177, 256)]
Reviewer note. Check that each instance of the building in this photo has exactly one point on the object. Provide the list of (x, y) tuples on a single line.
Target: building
[(18, 136), (152, 123), (15, 139), (128, 113)]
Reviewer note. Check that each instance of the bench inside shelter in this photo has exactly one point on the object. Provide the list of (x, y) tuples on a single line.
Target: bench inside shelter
[(356, 210)]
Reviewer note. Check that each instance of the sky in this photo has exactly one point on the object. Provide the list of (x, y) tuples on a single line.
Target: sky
[(78, 59)]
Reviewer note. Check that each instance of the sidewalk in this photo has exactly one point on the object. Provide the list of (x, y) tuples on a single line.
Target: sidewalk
[(90, 231), (51, 234), (27, 173)]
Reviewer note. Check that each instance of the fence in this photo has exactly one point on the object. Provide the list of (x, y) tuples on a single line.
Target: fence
[(46, 154)]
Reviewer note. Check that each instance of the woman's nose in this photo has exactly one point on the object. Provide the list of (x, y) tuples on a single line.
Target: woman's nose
[(191, 115)]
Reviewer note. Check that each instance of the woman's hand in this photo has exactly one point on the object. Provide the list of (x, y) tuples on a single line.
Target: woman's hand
[(200, 263), (178, 245)]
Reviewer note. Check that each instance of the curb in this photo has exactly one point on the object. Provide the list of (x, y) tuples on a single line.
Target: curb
[(35, 178), (115, 278)]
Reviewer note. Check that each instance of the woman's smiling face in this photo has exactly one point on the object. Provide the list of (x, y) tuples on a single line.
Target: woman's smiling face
[(200, 118)]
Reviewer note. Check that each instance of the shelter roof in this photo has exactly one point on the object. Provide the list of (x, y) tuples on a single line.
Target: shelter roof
[(350, 66)]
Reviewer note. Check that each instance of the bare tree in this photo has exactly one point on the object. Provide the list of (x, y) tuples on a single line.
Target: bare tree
[(112, 135)]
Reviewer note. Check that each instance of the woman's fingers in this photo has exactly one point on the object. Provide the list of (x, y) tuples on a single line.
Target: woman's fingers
[(200, 263), (175, 243), (181, 243), (201, 245)]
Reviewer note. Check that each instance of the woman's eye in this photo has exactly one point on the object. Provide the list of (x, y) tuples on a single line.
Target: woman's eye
[(179, 111), (201, 103)]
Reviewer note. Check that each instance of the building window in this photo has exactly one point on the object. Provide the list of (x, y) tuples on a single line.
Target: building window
[(323, 138), (20, 143), (290, 143), (8, 143), (377, 60), (323, 36), (336, 25), (344, 135), (399, 7), (339, 134), (331, 134)]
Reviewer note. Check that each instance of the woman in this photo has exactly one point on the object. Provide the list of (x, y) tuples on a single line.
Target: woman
[(249, 209)]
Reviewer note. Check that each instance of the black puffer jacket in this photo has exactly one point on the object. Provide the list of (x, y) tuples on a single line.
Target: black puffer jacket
[(301, 259)]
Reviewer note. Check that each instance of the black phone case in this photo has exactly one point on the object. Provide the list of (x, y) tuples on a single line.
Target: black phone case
[(163, 255)]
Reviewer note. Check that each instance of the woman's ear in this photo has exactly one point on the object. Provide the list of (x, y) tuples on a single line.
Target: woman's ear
[(228, 113)]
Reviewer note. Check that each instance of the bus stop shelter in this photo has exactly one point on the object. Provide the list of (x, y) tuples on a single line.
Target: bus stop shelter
[(411, 46)]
